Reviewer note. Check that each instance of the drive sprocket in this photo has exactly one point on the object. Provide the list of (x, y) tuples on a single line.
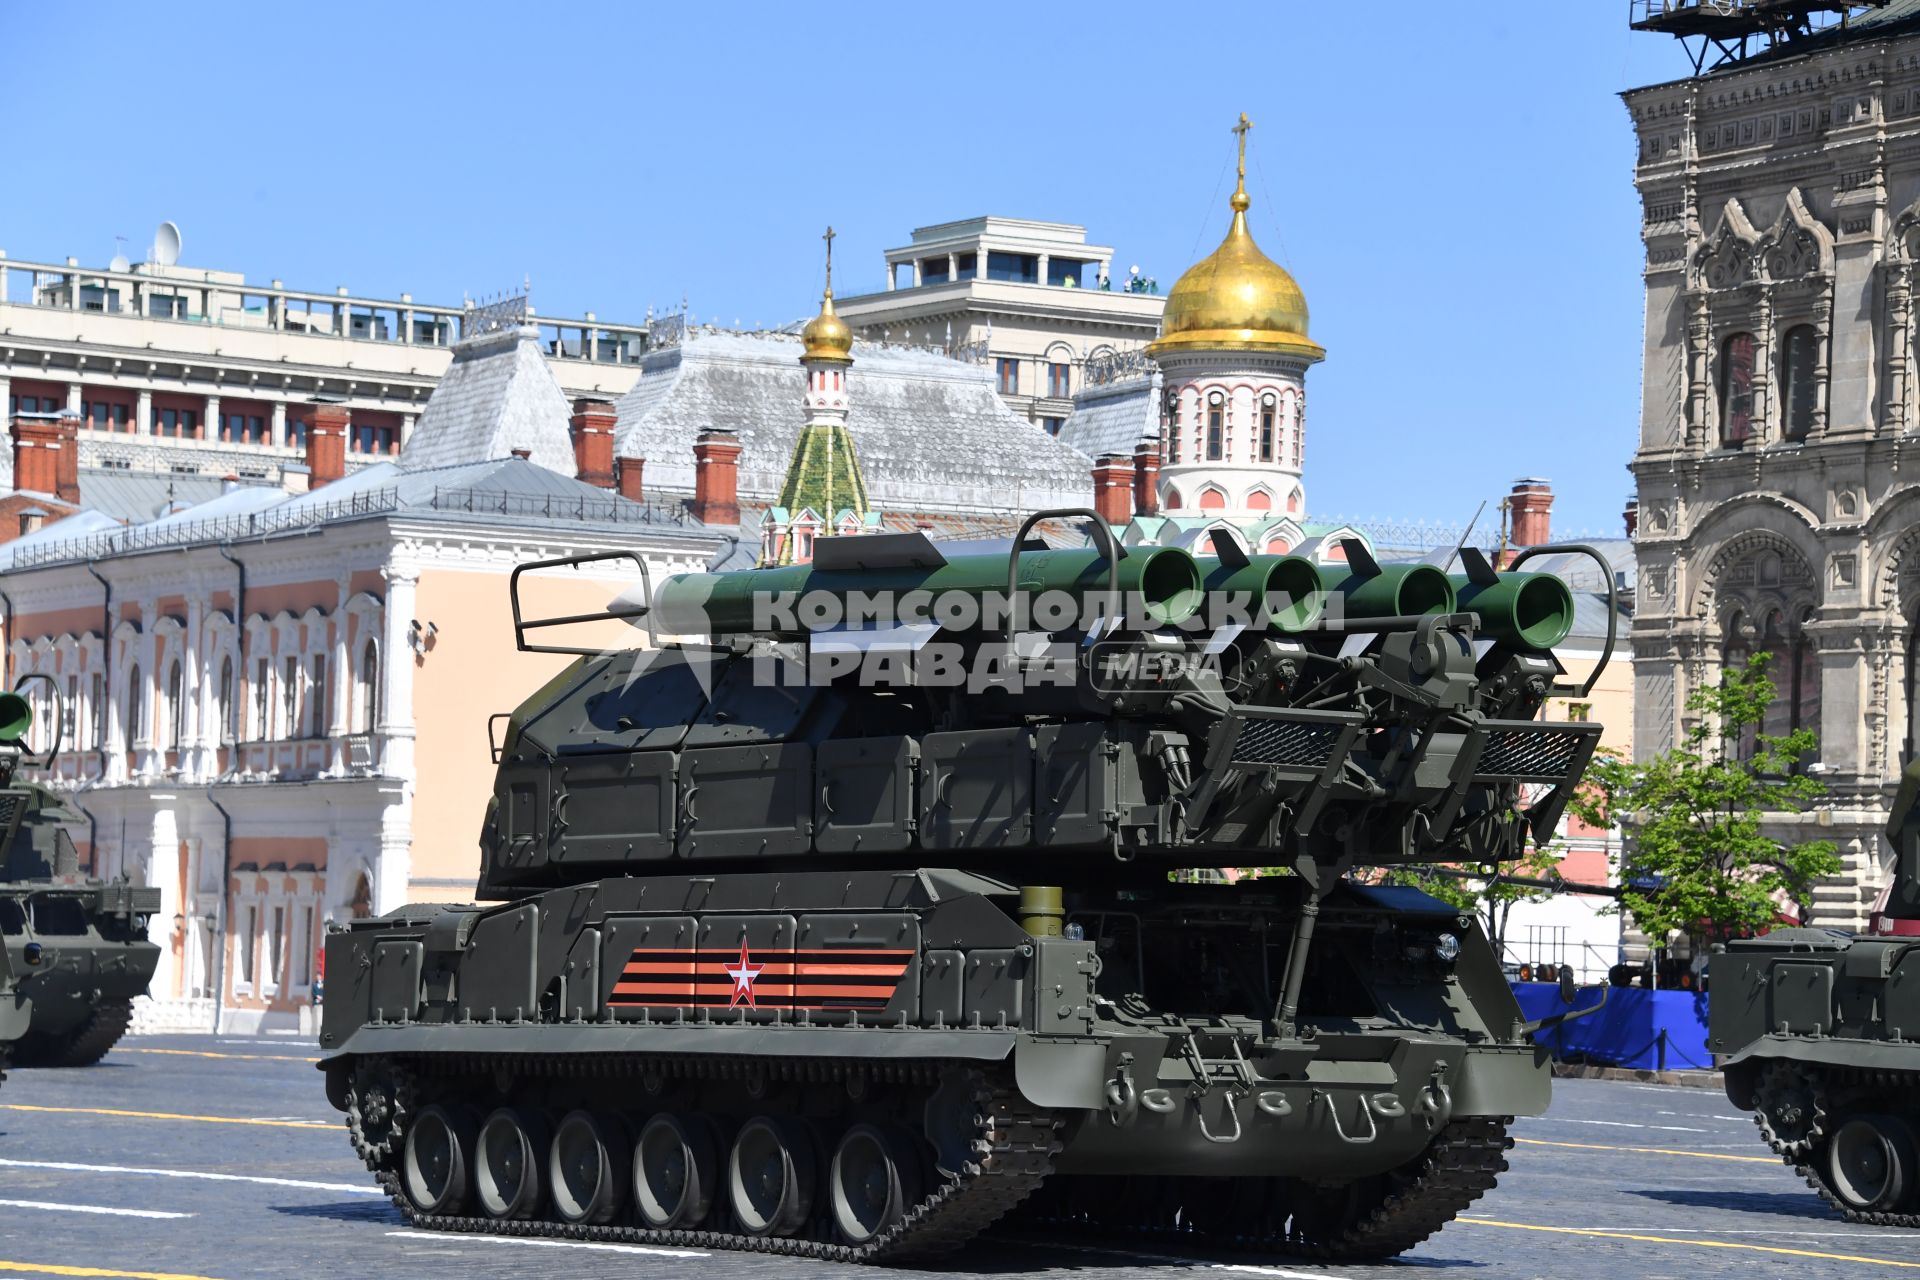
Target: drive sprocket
[(1790, 1106), (381, 1099)]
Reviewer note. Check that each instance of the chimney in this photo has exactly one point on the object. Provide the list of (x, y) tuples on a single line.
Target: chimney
[(32, 520), (326, 443), (627, 473), (1531, 504), (525, 455), (229, 482), (1632, 516), (716, 477), (592, 430), (1113, 477), (1146, 478), (46, 456), (295, 479)]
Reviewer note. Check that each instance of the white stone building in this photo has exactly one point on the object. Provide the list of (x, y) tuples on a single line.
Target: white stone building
[(1778, 506)]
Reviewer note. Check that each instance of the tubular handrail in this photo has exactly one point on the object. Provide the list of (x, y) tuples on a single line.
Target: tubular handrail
[(521, 626), (1613, 607), (1110, 547)]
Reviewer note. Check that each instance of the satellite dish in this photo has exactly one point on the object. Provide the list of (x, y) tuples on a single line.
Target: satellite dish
[(166, 245), (119, 263)]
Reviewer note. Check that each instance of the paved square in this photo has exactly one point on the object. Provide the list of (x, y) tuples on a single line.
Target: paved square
[(196, 1156)]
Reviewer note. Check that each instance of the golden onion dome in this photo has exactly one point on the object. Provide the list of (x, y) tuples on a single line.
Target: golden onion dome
[(1236, 298), (827, 336)]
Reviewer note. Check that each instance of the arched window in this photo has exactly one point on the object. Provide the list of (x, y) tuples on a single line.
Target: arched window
[(369, 687), (1796, 381), (1259, 500), (1212, 499), (176, 708), (1266, 431), (1173, 427), (1216, 431), (133, 704), (1736, 389), (1793, 665), (223, 708), (1173, 500)]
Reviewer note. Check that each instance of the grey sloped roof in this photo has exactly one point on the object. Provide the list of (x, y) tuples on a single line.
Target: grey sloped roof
[(134, 497), (931, 432), (1115, 417), (79, 524), (498, 395)]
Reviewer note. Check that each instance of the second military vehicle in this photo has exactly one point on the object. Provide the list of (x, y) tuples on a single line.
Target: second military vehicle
[(846, 938), (77, 945), (1818, 1034)]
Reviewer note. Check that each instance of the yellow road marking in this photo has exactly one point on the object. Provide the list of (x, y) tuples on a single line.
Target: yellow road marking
[(1697, 1244), (167, 1115), (204, 1053), (1648, 1151), (50, 1269)]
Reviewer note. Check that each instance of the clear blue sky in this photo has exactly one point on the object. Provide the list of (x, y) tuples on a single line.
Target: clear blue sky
[(1451, 183)]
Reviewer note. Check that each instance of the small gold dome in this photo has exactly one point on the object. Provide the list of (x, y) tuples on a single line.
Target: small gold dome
[(1237, 298), (827, 336)]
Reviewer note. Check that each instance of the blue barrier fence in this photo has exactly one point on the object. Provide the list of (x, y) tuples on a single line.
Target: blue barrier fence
[(1651, 1030)]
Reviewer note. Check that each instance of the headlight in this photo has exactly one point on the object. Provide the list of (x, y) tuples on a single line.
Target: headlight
[(1447, 947)]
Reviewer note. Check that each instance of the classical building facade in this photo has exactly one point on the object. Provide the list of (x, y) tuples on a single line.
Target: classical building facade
[(193, 373), (1778, 505), (277, 703), (1032, 301)]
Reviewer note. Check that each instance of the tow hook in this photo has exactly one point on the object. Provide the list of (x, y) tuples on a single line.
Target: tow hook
[(1123, 1100), (1436, 1100)]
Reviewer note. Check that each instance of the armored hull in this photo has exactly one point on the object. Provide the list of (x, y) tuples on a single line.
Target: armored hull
[(76, 946), (1814, 1031), (775, 957)]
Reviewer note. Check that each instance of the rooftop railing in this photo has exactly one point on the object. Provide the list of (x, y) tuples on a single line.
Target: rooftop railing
[(177, 297), (296, 518)]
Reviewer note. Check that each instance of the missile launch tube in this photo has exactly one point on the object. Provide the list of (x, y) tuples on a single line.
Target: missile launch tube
[(762, 601), (1534, 610), (1284, 593), (1397, 591)]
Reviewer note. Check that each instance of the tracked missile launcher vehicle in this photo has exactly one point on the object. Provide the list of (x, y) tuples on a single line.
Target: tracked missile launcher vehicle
[(871, 921), (76, 946), (1817, 1033)]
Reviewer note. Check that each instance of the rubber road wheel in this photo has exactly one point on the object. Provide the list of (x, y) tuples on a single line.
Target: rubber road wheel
[(509, 1158), (587, 1168), (1870, 1162), (871, 1183), (436, 1170), (675, 1169), (770, 1176)]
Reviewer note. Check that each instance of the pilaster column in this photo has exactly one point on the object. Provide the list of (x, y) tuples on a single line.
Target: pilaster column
[(1899, 348), (1822, 358), (210, 419), (1699, 342), (339, 708), (75, 394), (143, 414), (6, 383), (1767, 430), (279, 429), (406, 428), (395, 726), (196, 686)]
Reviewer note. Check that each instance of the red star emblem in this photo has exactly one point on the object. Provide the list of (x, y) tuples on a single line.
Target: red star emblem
[(743, 975)]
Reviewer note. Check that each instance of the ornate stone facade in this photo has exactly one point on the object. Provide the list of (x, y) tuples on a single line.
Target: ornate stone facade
[(1779, 491)]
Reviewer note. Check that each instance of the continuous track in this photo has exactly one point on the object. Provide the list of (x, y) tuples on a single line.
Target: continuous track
[(1834, 1082), (1011, 1150), (1375, 1217), (1008, 1157), (84, 1045)]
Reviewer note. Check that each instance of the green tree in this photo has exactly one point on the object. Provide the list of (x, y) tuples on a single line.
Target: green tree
[(1489, 892), (1697, 861)]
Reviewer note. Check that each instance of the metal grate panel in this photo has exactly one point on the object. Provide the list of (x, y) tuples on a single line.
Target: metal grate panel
[(1289, 743), (1539, 753)]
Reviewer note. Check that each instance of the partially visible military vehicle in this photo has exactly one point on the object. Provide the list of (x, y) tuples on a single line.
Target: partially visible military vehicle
[(847, 938), (1818, 1034), (16, 1012), (77, 946)]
